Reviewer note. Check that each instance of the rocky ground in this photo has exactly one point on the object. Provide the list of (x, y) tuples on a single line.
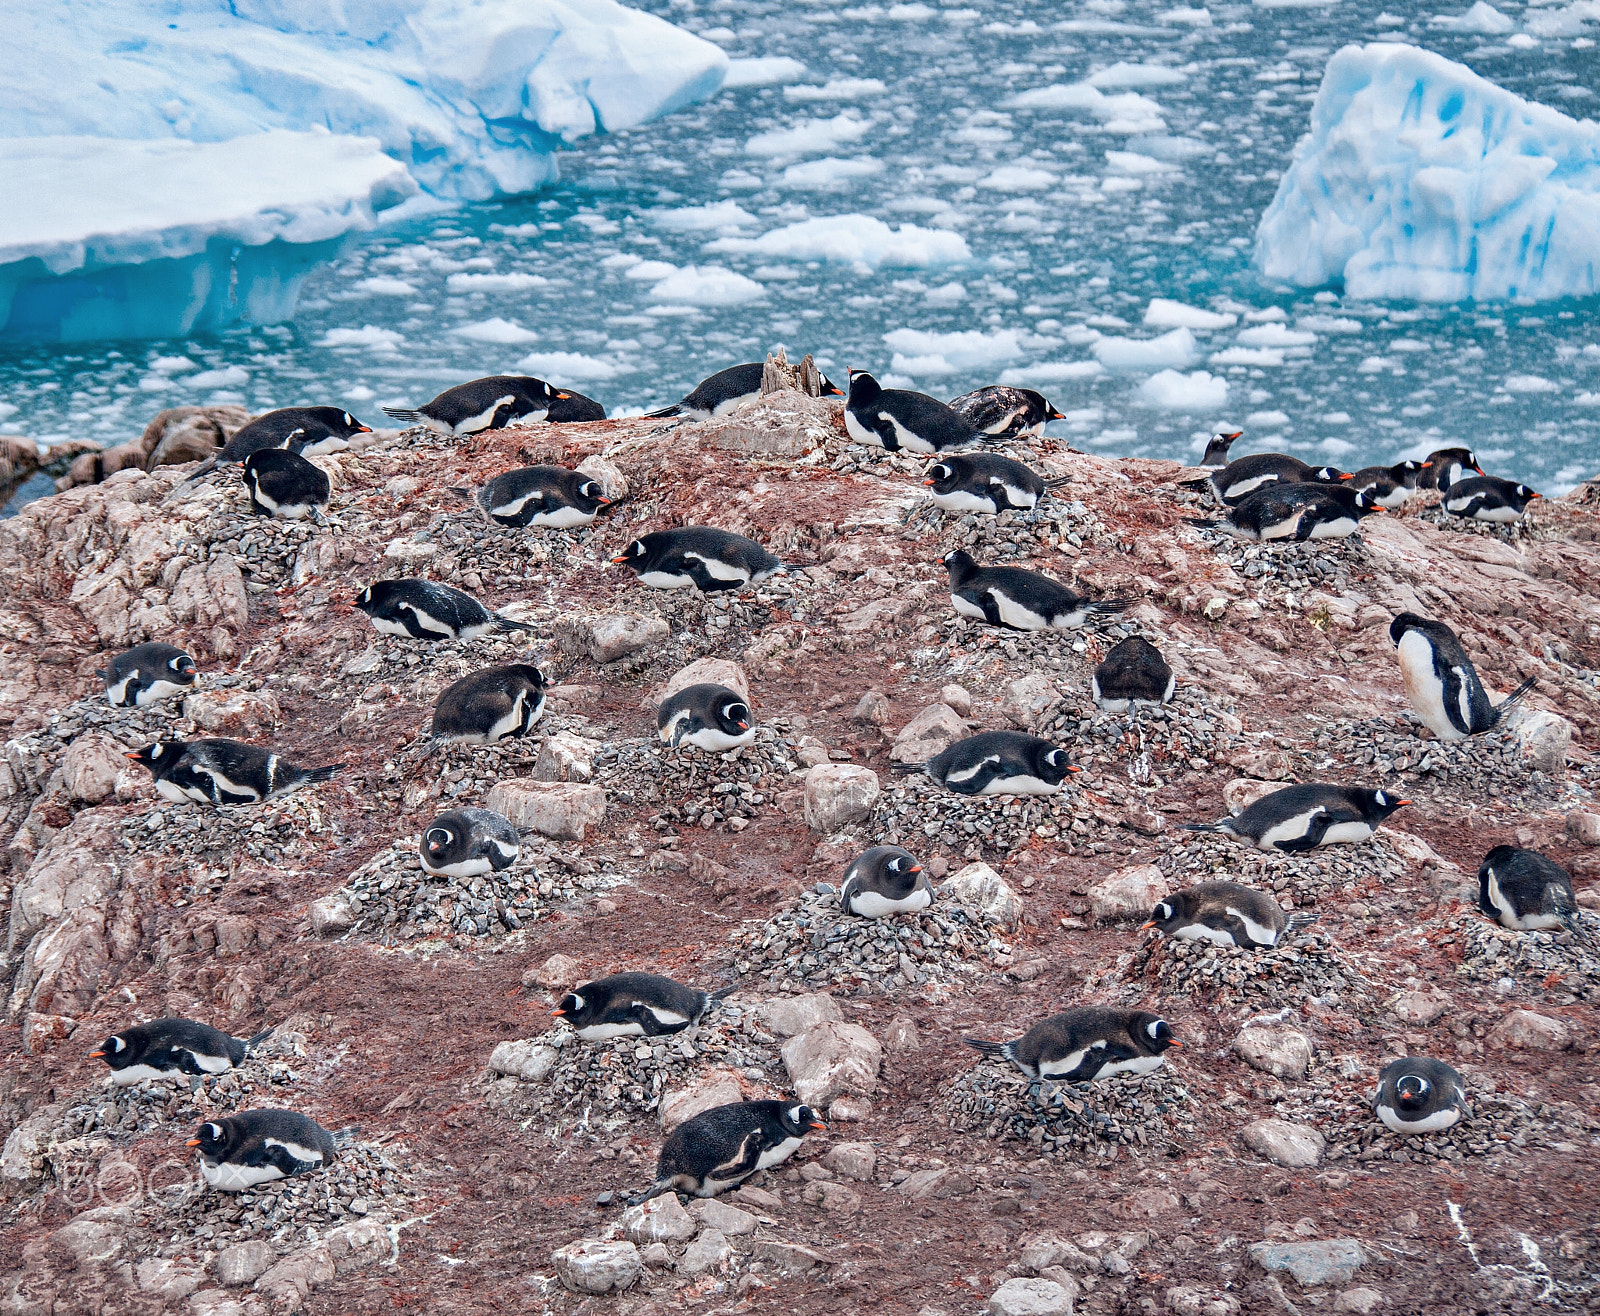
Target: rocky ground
[(489, 1153)]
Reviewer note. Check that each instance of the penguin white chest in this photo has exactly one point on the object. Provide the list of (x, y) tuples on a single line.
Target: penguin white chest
[(859, 432), (874, 904), (1401, 1123), (1016, 614), (1423, 686)]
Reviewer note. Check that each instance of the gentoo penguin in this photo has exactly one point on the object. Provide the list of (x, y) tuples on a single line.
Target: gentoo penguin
[(426, 610), (309, 431), (1238, 480), (240, 1151), (997, 763), (1087, 1044), (491, 403), (882, 881), (726, 391), (166, 1048), (1488, 498), (1133, 672), (725, 1145), (1299, 818), (896, 419), (224, 771), (707, 716), (146, 673), (1418, 1094), (1441, 681), (1298, 511), (712, 560), (484, 708), (548, 497), (634, 1005), (569, 408), (1216, 454), (1387, 486), (1445, 466), (985, 482), (285, 485), (469, 843), (1526, 892), (1017, 598), (1002, 411), (1227, 914)]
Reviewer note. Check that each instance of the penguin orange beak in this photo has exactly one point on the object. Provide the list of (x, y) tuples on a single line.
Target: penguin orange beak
[(818, 1125), (915, 868), (1056, 415), (563, 395), (1074, 769), (96, 1055), (128, 755), (1347, 477), (1175, 1042), (743, 726), (1402, 803), (604, 502), (1425, 465), (558, 1013), (935, 482), (1145, 927), (193, 1142), (619, 560), (1535, 495), (363, 429)]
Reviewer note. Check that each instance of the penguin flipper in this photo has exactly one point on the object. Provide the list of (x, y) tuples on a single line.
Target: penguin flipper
[(991, 608), (1452, 680), (1202, 523), (1316, 829), (286, 1161), (1208, 827)]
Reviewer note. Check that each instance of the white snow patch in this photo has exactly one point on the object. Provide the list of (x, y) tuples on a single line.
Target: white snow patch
[(1163, 313), (809, 136), (1176, 391), (556, 366), (763, 72), (830, 172), (707, 285), (496, 330), (1175, 349), (853, 238)]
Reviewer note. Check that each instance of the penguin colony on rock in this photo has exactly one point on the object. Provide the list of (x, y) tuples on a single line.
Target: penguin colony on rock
[(1264, 496)]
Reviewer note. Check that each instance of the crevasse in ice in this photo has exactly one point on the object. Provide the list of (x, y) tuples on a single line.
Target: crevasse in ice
[(1421, 180)]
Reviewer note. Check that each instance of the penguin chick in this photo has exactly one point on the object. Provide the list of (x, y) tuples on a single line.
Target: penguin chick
[(147, 673), (224, 772), (426, 610), (634, 1005), (712, 560), (469, 843), (1133, 672), (724, 1146), (1227, 914), (1002, 411), (166, 1048), (727, 391), (285, 485), (241, 1151), (896, 419), (1216, 454), (707, 716), (309, 431), (1441, 681), (997, 763), (1525, 891), (1087, 1044), (1017, 598), (484, 708), (546, 497), (985, 482), (1300, 818), (1418, 1094), (882, 881), (491, 403), (1486, 498)]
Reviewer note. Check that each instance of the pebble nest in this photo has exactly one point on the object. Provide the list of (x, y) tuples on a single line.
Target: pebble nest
[(1191, 731), (609, 1082), (696, 787), (1558, 965), (264, 547), (363, 1180), (1514, 533), (1373, 864), (1059, 526), (914, 812), (1308, 967), (1281, 570), (1488, 764), (1148, 1114), (812, 946)]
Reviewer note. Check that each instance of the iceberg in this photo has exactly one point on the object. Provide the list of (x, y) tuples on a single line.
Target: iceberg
[(129, 239), (1420, 180)]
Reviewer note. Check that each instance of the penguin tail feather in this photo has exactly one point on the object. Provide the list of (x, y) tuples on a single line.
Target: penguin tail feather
[(723, 992), (655, 1190), (676, 409), (327, 773), (988, 1048), (1111, 605), (465, 495), (506, 624), (1202, 523), (1202, 827), (205, 468), (1195, 484), (908, 769), (251, 1043), (407, 414), (1512, 698), (1057, 481), (1299, 921)]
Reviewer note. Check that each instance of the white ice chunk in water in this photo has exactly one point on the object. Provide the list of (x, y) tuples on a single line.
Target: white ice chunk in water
[(707, 285), (652, 270), (1018, 178), (1125, 112), (1175, 349), (830, 172), (1530, 384), (1163, 313), (558, 367), (384, 285), (1482, 18), (836, 89), (920, 352), (718, 216), (1193, 393), (496, 330), (809, 137), (1122, 74), (763, 72), (1053, 372), (495, 282), (224, 377), (1421, 180), (369, 336), (854, 238), (1275, 334)]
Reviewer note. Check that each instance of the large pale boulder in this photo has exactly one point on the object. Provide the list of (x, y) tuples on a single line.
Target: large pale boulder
[(1523, 1030), (660, 1220), (788, 1016), (566, 756), (593, 1265), (612, 635), (716, 1087), (931, 731), (1030, 1297), (838, 794), (1542, 738), (244, 1262), (831, 1060), (1295, 1146), (561, 810), (238, 714), (705, 671), (91, 766), (1027, 698), (528, 1058), (1130, 892), (1282, 1052), (984, 891)]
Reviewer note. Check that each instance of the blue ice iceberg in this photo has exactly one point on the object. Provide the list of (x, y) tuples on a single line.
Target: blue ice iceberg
[(467, 99), (1421, 180)]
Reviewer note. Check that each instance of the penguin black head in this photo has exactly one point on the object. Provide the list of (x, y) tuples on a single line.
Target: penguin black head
[(940, 473), (1330, 475), (1404, 622), (1155, 1033), (436, 840), (156, 756), (797, 1121), (1162, 915), (570, 1005), (634, 550), (1411, 1091), (337, 420), (958, 563), (863, 388), (734, 716), (182, 667), (1060, 761), (365, 600), (593, 490), (115, 1051), (212, 1140), (1380, 804)]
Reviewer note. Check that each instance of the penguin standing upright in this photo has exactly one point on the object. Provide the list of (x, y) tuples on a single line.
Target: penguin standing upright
[(491, 403), (168, 1048), (426, 610), (469, 843), (985, 482), (484, 708), (224, 772), (997, 763), (285, 485), (1017, 598), (146, 673), (722, 1147), (1134, 672), (1441, 681), (896, 419), (1418, 1094), (1086, 1045), (882, 881), (1300, 818), (241, 1151), (708, 716), (1003, 412), (634, 1005), (1526, 891), (710, 559)]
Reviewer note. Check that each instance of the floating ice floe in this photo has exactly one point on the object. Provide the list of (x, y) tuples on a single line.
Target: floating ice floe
[(719, 216), (561, 367), (763, 72), (129, 239), (1421, 180), (496, 330), (854, 238), (1175, 349), (809, 136), (830, 172), (1193, 393), (1124, 112), (707, 285), (921, 353), (1164, 313)]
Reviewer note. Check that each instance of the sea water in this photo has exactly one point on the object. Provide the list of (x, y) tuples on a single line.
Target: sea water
[(980, 228)]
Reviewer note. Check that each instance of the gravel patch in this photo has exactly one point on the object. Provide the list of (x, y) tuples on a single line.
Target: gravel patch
[(1302, 878), (1227, 976), (1555, 965), (1383, 749)]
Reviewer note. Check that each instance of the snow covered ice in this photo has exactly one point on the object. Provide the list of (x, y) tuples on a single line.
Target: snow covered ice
[(1421, 180)]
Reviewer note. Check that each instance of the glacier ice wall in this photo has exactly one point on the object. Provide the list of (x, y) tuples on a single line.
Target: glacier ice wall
[(1420, 180), (133, 239)]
